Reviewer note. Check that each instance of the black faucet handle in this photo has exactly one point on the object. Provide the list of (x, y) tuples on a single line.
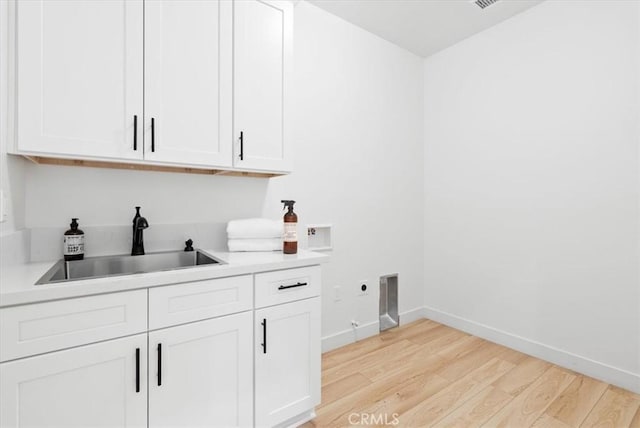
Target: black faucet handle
[(188, 245)]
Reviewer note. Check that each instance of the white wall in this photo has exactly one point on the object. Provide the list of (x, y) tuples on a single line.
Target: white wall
[(531, 185), (358, 165), (15, 240), (11, 169), (358, 162)]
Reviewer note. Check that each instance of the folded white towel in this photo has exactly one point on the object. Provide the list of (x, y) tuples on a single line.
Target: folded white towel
[(254, 228), (265, 244)]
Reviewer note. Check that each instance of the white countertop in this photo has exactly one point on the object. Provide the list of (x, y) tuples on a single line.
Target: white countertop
[(17, 283)]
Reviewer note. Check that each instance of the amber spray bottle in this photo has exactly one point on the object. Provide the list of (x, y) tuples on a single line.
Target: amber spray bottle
[(290, 245)]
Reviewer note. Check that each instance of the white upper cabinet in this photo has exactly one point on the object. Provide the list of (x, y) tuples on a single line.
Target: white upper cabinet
[(263, 32), (79, 77), (188, 81)]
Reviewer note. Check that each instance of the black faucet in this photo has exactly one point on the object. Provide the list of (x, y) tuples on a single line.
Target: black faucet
[(139, 224)]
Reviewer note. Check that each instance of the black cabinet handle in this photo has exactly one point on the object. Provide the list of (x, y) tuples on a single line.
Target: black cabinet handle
[(135, 132), (264, 335), (153, 134), (299, 284), (137, 369), (159, 364), (241, 145)]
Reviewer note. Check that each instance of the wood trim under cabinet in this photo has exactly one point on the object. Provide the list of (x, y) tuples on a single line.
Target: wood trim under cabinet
[(42, 160)]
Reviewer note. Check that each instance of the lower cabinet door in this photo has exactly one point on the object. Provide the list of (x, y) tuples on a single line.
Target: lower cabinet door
[(200, 374), (287, 361), (100, 385)]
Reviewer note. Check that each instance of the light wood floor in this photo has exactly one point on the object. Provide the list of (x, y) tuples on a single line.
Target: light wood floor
[(427, 374)]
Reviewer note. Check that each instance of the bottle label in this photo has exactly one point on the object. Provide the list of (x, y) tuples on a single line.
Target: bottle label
[(73, 245), (290, 232)]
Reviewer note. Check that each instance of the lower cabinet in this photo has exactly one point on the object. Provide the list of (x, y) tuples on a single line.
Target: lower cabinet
[(200, 374), (100, 385), (214, 356), (287, 361)]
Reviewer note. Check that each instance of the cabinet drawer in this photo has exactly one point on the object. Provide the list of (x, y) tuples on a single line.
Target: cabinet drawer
[(43, 327), (273, 288), (193, 301)]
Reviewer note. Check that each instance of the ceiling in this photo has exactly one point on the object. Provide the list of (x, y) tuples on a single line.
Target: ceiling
[(423, 26)]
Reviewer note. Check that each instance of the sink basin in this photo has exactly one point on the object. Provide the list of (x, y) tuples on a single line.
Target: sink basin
[(99, 267)]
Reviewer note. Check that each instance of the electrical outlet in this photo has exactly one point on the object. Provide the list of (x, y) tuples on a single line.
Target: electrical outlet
[(363, 287), (336, 293)]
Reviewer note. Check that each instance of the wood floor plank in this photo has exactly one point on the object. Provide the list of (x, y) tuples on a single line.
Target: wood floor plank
[(462, 347), (635, 423), (513, 356), (573, 406), (337, 412), (616, 408), (528, 406), (475, 357), (342, 355), (546, 421), (430, 335), (405, 398), (345, 386), (477, 410), (525, 373), (437, 344), (420, 359), (369, 360), (429, 374), (441, 404)]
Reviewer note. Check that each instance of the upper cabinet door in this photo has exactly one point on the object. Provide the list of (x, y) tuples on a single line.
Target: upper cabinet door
[(79, 77), (263, 33), (188, 81)]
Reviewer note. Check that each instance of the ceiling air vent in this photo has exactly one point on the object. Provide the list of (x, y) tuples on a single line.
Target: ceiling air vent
[(483, 3)]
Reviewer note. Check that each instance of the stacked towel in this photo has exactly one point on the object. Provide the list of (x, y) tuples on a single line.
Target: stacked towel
[(254, 234), (258, 244)]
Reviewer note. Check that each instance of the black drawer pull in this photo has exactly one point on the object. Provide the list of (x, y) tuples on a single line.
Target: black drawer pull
[(135, 132), (137, 369), (241, 145), (159, 364), (299, 284), (264, 335), (153, 134)]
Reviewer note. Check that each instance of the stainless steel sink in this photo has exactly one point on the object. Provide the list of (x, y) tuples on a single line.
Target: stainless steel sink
[(98, 267)]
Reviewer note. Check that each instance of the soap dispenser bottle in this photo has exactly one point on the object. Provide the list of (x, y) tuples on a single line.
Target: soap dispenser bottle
[(290, 245), (73, 244)]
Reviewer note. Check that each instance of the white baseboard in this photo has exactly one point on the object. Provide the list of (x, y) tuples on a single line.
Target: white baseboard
[(615, 376), (412, 315), (351, 335)]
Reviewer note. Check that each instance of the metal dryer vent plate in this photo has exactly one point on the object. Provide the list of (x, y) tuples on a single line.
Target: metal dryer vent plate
[(483, 3)]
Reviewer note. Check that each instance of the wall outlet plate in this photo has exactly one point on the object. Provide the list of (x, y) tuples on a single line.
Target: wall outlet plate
[(363, 287), (336, 293)]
